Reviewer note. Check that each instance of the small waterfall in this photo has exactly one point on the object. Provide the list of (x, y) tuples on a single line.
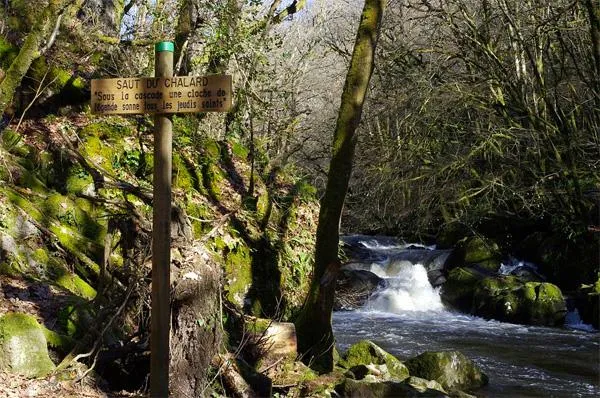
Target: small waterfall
[(573, 321), (408, 289), (514, 266)]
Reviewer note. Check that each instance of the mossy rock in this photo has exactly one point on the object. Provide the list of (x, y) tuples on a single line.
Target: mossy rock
[(199, 213), (238, 273), (508, 299), (321, 386), (458, 290), (587, 301), (27, 179), (451, 369), (99, 153), (113, 129), (87, 251), (77, 214), (386, 389), (79, 181), (58, 341), (366, 352), (212, 150), (182, 177), (424, 384), (212, 176), (74, 284), (263, 205), (483, 252), (69, 88), (289, 372), (23, 346), (12, 142)]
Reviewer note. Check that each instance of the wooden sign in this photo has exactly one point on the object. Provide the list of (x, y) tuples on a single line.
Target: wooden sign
[(178, 94)]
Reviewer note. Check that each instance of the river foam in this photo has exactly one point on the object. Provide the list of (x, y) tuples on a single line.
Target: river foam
[(407, 289)]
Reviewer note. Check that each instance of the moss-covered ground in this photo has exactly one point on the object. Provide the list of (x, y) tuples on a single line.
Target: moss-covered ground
[(75, 222)]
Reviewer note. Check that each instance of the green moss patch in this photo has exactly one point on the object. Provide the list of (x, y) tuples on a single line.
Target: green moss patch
[(460, 286), (366, 352), (58, 341), (88, 252), (451, 369), (509, 299), (238, 273), (23, 347), (76, 285)]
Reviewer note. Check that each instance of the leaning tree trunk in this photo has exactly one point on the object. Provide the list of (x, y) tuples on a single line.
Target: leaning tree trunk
[(31, 49), (315, 336)]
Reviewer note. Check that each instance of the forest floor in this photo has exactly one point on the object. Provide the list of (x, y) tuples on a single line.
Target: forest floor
[(43, 302)]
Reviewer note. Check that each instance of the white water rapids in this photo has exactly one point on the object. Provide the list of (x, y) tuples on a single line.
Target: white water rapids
[(408, 289), (407, 318)]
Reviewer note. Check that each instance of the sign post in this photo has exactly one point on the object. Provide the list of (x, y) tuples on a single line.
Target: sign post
[(161, 236), (162, 96)]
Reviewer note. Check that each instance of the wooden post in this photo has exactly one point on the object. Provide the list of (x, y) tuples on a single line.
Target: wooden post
[(161, 236)]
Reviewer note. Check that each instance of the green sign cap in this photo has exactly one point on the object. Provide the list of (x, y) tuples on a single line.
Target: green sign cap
[(164, 46)]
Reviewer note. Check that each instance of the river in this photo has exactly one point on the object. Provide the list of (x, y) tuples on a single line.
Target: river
[(408, 318)]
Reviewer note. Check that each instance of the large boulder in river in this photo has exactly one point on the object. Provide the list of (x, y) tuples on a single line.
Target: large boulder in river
[(354, 287), (23, 348), (587, 301), (459, 289), (366, 352), (388, 389), (508, 299), (451, 369), (476, 250)]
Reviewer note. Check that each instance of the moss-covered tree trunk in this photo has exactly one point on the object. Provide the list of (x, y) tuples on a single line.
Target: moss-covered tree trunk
[(315, 336), (30, 50)]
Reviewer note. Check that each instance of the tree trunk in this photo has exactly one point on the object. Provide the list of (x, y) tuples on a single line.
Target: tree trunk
[(315, 336), (182, 36), (195, 323), (107, 15)]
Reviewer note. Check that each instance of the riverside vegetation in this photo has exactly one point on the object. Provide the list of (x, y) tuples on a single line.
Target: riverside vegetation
[(480, 139)]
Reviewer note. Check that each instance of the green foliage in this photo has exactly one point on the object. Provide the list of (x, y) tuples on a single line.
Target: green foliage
[(12, 142), (78, 181), (75, 318), (8, 52), (58, 341)]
